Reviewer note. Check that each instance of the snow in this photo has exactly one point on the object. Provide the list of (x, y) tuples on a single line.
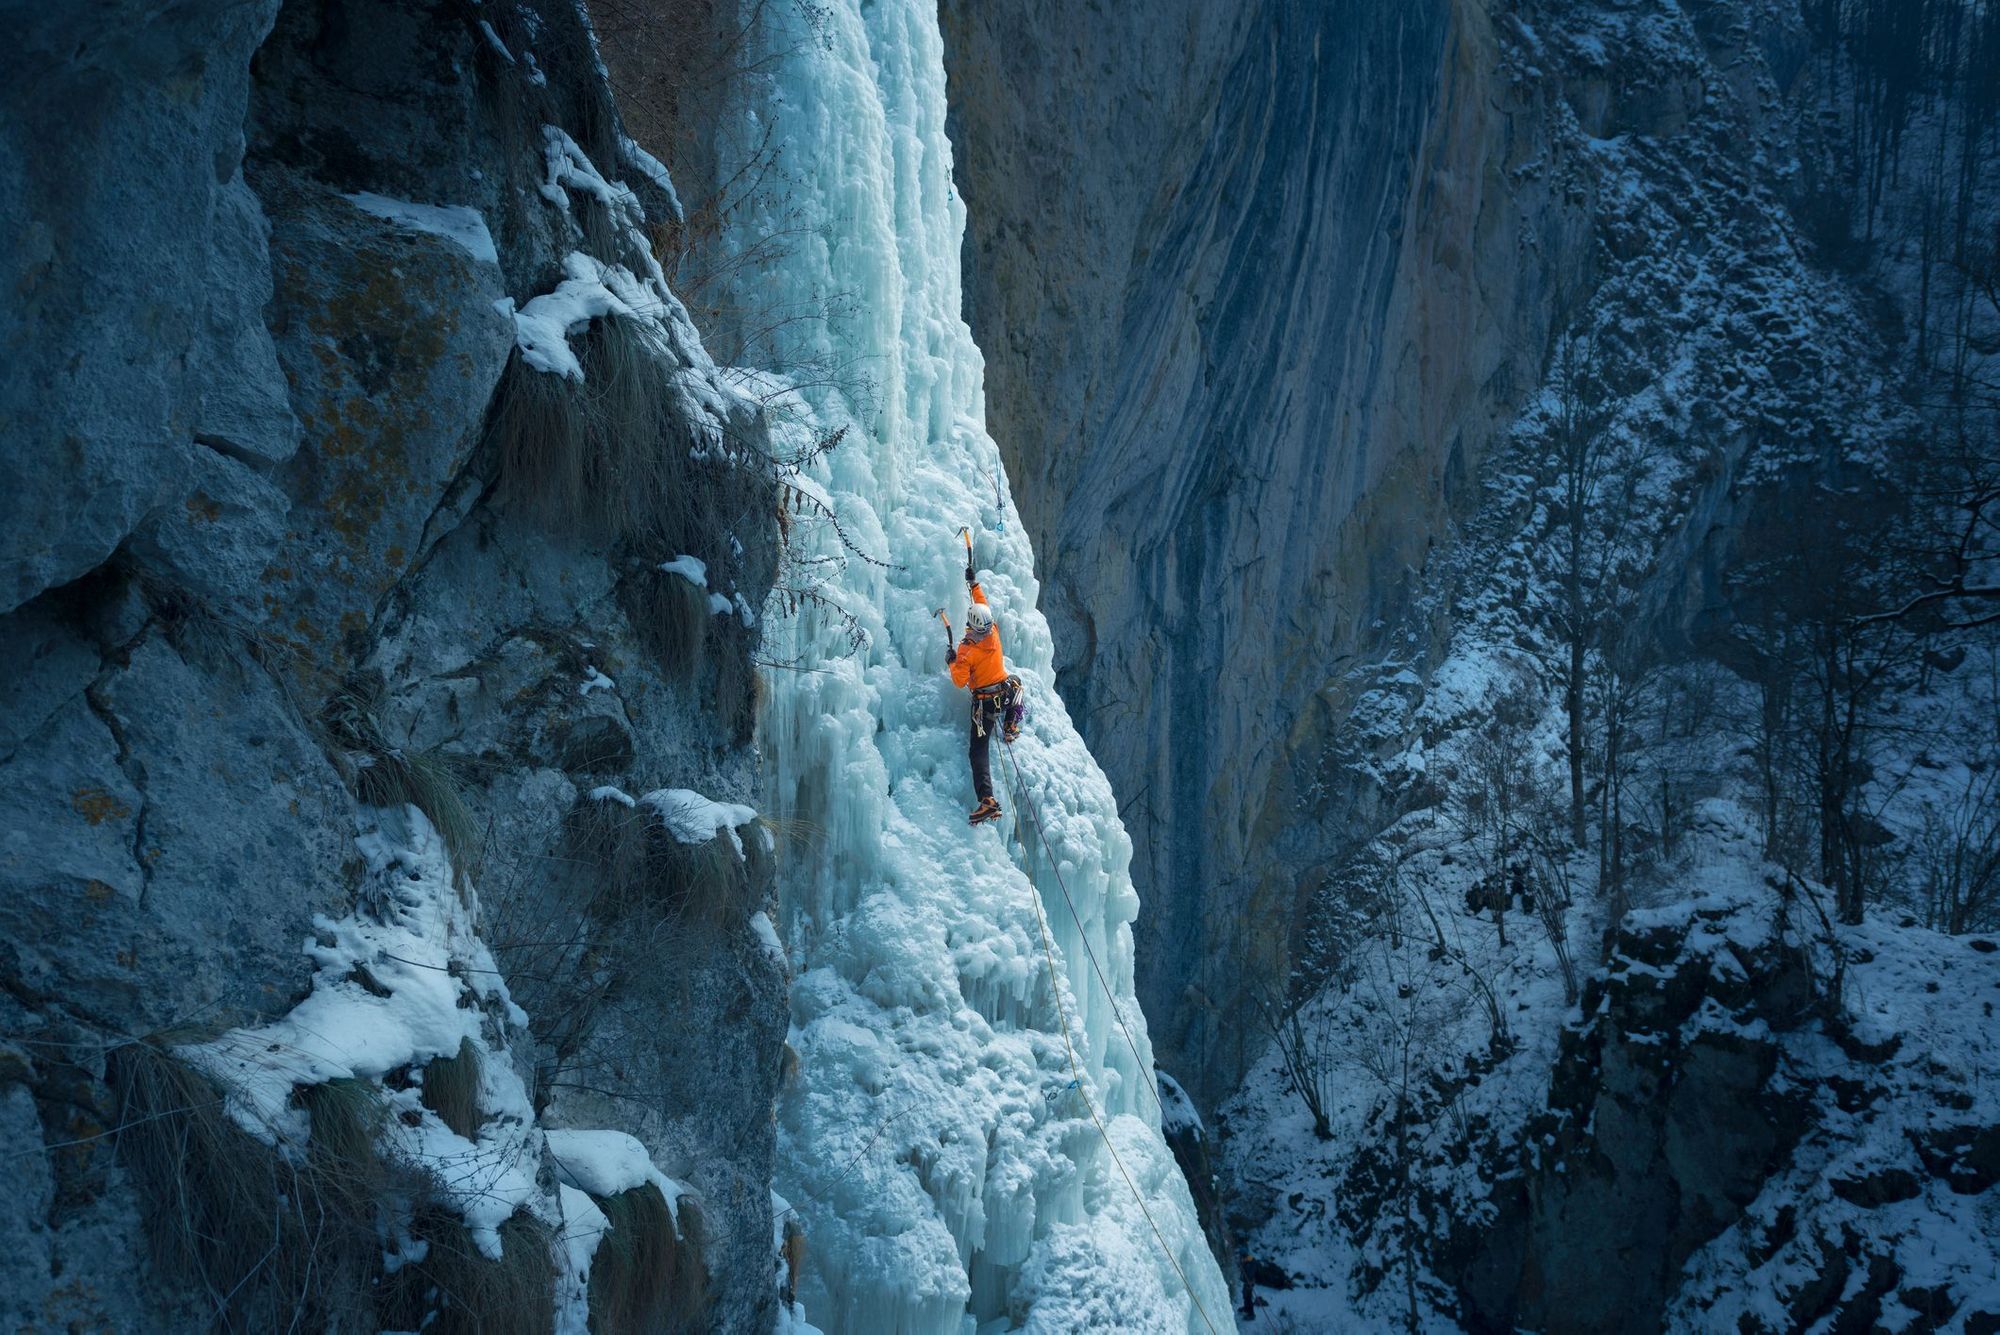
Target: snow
[(592, 290), (1178, 1112), (792, 1321), (583, 1226), (653, 170), (942, 1188), (343, 1029), (401, 981), (1927, 997), (569, 168), (605, 1163), (493, 40), (625, 284), (462, 225), (430, 985), (694, 819), (767, 935), (690, 568)]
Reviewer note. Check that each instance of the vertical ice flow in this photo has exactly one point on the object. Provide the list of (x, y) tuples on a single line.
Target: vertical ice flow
[(948, 1176)]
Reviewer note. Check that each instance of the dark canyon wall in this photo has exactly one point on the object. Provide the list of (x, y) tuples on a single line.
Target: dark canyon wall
[(1257, 288)]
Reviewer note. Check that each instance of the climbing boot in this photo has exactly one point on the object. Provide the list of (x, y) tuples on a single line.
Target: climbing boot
[(987, 809)]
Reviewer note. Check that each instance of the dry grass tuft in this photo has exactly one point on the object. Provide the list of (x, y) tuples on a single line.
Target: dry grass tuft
[(455, 1290), (391, 777), (269, 1239), (640, 870), (671, 617), (643, 1276), (608, 457), (712, 653), (451, 1090), (347, 1116)]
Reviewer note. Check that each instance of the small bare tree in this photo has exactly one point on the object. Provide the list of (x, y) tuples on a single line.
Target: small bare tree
[(1409, 895), (1400, 1045), (1801, 632), (1958, 854), (1551, 894), (1306, 1043), (1493, 804), (1580, 451)]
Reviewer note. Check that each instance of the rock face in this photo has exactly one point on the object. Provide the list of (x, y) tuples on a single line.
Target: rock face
[(1726, 1148), (1667, 1115), (123, 352), (287, 538), (1251, 323)]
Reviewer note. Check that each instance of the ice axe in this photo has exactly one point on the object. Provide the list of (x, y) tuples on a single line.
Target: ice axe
[(939, 614)]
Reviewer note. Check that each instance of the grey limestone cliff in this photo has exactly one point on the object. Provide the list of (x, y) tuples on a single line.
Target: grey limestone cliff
[(1258, 288)]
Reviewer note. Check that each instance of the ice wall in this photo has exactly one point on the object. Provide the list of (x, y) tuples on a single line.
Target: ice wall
[(949, 1157)]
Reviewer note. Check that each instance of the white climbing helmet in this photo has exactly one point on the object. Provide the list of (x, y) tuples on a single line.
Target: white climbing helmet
[(978, 619)]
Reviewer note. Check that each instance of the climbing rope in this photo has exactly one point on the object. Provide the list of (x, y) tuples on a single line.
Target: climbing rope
[(1076, 1067), (1117, 1011)]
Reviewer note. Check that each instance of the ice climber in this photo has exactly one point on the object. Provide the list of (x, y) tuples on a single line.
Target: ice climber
[(976, 664)]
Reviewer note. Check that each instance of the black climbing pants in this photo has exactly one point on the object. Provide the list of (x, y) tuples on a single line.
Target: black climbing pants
[(985, 721)]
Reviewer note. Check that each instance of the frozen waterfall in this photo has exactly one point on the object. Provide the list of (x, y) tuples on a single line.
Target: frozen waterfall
[(950, 1176)]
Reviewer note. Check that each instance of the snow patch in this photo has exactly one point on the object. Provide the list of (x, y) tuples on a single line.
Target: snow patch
[(605, 1163), (1177, 1110), (592, 290), (767, 935), (397, 988), (690, 568), (493, 40), (460, 224), (653, 170), (693, 819)]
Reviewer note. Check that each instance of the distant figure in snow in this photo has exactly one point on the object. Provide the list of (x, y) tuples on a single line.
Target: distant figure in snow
[(977, 664)]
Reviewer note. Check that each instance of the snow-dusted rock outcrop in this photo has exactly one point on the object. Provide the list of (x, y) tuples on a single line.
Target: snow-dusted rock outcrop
[(333, 595)]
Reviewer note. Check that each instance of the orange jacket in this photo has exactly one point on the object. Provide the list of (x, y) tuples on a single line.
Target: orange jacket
[(979, 662)]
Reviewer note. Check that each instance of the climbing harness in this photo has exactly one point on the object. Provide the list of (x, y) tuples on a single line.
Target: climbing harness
[(1075, 1066), (1012, 701)]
